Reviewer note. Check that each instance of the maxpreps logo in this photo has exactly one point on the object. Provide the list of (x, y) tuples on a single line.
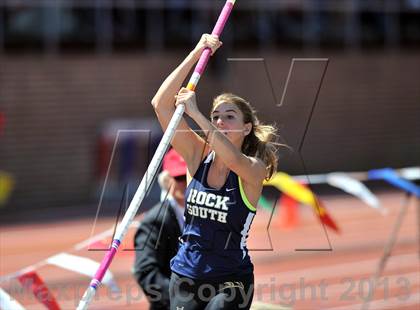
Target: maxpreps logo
[(207, 205)]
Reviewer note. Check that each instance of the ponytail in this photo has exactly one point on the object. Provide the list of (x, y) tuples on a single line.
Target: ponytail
[(260, 142)]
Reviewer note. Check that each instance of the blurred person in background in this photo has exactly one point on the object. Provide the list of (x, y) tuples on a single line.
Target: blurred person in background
[(156, 240)]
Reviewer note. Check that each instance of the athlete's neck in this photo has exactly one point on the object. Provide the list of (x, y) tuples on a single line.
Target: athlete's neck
[(219, 166)]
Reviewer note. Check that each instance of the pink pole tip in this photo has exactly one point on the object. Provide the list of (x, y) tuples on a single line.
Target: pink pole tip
[(106, 261)]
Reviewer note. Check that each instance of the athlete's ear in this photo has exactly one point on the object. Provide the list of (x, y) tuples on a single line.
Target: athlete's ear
[(247, 129)]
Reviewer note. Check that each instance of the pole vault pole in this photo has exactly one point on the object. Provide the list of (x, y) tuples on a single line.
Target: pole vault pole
[(153, 166)]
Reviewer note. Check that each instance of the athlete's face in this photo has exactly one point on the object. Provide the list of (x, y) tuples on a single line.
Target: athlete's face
[(177, 188), (229, 120)]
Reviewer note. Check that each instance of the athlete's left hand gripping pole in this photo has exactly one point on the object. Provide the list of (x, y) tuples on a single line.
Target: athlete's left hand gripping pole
[(153, 166)]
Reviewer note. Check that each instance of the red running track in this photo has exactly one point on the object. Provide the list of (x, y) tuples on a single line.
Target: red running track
[(338, 279)]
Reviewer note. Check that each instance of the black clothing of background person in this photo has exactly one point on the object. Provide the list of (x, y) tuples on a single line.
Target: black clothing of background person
[(156, 242)]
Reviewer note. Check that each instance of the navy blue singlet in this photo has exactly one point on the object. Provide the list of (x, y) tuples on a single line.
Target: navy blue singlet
[(217, 222)]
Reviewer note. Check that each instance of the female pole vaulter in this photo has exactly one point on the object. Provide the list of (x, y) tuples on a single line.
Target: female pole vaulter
[(212, 268)]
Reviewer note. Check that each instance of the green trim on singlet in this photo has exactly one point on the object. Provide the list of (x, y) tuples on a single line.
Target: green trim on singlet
[(244, 198)]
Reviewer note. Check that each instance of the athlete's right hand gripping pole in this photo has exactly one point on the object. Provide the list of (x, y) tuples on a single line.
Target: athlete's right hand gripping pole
[(153, 166)]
